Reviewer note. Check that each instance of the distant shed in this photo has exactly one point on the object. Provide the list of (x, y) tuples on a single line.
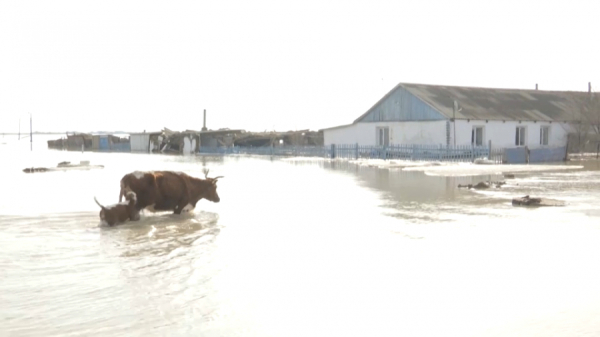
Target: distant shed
[(79, 141), (140, 142), (110, 143)]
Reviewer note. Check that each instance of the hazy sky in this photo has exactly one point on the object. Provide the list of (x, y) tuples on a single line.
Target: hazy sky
[(259, 65)]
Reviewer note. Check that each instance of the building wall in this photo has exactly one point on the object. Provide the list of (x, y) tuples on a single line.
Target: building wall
[(424, 132), (190, 144), (75, 142), (401, 105), (502, 134), (95, 142), (155, 144), (139, 142)]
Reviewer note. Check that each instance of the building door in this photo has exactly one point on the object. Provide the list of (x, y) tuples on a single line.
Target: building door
[(383, 136)]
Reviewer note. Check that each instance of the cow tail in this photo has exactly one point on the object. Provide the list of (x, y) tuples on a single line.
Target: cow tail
[(96, 200)]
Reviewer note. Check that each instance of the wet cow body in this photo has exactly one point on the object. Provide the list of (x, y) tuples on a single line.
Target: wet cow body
[(169, 190)]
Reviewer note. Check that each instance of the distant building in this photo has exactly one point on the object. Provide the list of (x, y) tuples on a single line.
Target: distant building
[(166, 141), (140, 142), (451, 115), (79, 141), (110, 143)]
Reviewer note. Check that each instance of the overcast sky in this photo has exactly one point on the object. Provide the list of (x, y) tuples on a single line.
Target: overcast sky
[(262, 65)]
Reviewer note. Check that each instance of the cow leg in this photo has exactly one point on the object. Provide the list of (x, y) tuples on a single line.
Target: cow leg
[(177, 210), (180, 206)]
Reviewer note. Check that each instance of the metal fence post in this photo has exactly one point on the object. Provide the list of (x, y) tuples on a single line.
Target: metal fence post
[(332, 151), (356, 151), (472, 153)]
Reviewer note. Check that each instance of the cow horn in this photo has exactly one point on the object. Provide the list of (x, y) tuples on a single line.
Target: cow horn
[(215, 178)]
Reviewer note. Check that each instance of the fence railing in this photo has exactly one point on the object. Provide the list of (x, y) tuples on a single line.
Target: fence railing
[(354, 151), (414, 152)]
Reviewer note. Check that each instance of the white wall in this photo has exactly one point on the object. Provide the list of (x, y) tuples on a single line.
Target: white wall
[(341, 135), (189, 145), (425, 132), (503, 134), (139, 143)]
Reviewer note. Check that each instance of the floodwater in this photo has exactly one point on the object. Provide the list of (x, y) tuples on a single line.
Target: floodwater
[(297, 248)]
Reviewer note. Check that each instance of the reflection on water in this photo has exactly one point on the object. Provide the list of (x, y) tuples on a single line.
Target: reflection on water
[(298, 248), (164, 232)]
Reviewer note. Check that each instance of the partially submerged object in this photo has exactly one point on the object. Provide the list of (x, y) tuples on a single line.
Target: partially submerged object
[(484, 161), (483, 185), (64, 166), (536, 202)]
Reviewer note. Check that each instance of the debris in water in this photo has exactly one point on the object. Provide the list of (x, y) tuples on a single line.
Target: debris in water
[(64, 166), (536, 202), (483, 185)]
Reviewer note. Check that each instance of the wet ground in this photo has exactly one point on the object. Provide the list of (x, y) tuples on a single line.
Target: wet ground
[(298, 247)]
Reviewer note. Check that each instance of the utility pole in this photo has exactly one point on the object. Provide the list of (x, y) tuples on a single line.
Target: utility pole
[(204, 123), (30, 133)]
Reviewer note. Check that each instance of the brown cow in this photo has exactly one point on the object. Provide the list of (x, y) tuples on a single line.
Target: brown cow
[(121, 212), (168, 190)]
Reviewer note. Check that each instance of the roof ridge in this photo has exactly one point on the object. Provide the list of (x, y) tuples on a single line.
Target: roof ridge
[(490, 88)]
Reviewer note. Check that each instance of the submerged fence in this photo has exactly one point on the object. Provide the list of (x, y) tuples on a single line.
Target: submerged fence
[(411, 152), (414, 152), (355, 151)]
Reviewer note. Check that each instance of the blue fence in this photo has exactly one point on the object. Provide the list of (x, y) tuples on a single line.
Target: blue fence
[(355, 151), (114, 147), (523, 155), (411, 152), (516, 155), (547, 155), (415, 152), (120, 147)]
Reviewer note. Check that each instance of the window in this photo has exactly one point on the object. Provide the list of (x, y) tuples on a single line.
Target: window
[(477, 136), (544, 131), (383, 136), (520, 137)]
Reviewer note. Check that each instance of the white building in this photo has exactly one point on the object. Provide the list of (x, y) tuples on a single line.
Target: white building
[(140, 142), (448, 115)]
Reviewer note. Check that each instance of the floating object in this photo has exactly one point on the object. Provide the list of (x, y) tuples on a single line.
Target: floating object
[(484, 161), (64, 166), (483, 185), (536, 202)]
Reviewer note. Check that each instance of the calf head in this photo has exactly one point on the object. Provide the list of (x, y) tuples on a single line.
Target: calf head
[(131, 197)]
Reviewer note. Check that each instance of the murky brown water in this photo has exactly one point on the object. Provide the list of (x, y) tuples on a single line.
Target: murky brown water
[(297, 248)]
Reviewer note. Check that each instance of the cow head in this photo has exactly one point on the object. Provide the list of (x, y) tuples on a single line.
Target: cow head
[(210, 192)]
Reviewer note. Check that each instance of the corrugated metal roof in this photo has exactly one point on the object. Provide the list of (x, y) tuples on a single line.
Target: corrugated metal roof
[(500, 104)]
